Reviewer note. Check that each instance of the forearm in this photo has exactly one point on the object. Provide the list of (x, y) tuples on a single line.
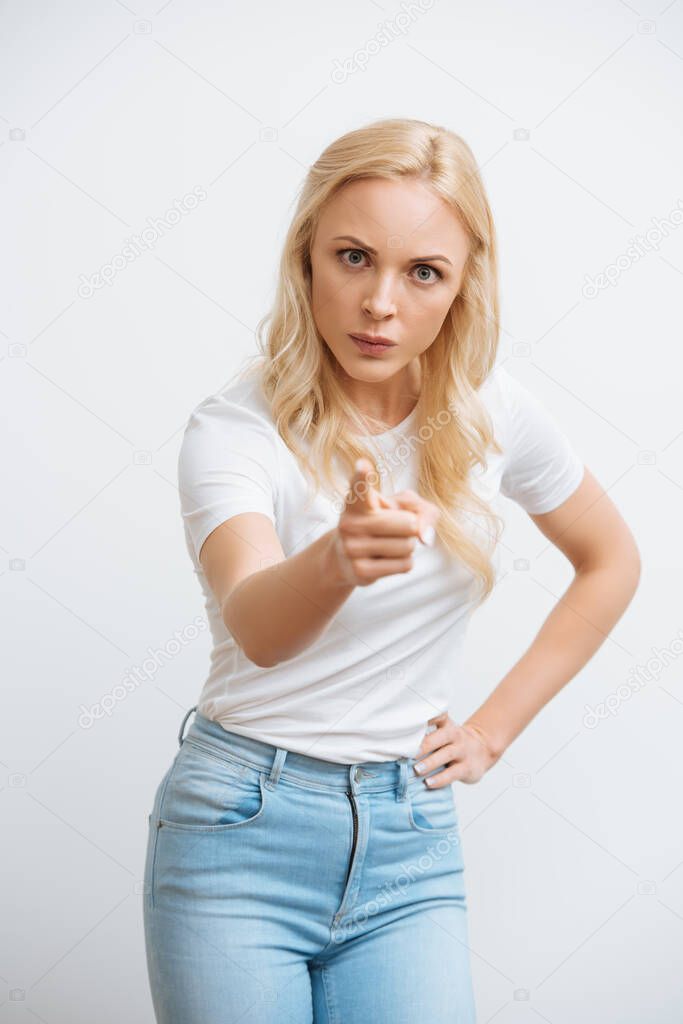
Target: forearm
[(576, 627), (277, 612)]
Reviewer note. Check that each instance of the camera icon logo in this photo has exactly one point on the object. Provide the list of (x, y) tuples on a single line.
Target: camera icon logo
[(521, 349)]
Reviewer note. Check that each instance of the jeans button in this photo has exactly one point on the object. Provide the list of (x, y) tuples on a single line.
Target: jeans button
[(358, 773)]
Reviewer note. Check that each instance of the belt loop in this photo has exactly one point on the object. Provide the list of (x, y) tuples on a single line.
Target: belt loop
[(402, 788), (274, 774), (182, 727)]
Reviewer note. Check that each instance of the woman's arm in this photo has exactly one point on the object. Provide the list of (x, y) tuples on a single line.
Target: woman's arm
[(273, 606), (590, 531)]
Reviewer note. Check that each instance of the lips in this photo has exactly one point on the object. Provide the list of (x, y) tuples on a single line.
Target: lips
[(374, 339), (375, 348)]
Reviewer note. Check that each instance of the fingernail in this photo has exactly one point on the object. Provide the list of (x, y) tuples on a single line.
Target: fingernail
[(420, 766), (427, 535)]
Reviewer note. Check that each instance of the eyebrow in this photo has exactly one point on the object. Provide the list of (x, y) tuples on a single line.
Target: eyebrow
[(364, 245)]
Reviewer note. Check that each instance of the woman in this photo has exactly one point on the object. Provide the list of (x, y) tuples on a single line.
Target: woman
[(337, 510)]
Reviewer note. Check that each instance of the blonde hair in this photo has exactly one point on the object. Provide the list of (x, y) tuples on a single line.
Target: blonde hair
[(297, 370)]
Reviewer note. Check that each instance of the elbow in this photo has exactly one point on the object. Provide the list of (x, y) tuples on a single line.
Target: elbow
[(260, 660), (248, 634), (268, 658), (630, 563), (636, 566), (242, 625), (622, 561)]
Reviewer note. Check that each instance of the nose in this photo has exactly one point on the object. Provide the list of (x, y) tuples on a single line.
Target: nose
[(379, 302)]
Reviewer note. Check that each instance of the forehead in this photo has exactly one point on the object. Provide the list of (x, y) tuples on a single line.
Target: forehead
[(378, 209)]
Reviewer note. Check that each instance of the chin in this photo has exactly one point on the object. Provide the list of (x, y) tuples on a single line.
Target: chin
[(367, 373)]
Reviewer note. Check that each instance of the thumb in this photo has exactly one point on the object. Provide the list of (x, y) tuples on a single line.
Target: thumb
[(427, 513)]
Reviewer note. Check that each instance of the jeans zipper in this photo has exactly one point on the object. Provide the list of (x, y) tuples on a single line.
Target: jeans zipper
[(355, 833)]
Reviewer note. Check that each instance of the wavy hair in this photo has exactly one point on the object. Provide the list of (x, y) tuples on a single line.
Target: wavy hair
[(298, 372)]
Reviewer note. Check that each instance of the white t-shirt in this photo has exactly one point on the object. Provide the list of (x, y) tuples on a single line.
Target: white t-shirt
[(390, 659)]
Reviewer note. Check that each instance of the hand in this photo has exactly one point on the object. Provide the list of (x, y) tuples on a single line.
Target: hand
[(375, 536), (427, 511), (464, 749)]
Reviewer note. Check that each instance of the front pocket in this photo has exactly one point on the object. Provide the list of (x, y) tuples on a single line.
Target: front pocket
[(431, 810), (152, 838), (208, 794)]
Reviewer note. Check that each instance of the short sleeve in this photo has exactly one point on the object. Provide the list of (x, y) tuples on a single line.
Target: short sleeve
[(227, 464), (541, 467)]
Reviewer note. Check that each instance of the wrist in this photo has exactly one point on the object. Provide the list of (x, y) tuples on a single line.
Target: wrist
[(334, 568), (494, 747)]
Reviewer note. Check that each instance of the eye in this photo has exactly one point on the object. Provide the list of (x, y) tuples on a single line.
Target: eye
[(342, 252), (420, 266), (426, 266)]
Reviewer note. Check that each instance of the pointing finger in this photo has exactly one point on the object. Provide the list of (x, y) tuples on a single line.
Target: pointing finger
[(361, 496)]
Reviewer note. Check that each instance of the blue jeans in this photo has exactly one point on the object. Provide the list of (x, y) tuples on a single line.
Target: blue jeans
[(284, 889)]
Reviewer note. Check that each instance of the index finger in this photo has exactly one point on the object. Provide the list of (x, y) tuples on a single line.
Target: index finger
[(361, 496)]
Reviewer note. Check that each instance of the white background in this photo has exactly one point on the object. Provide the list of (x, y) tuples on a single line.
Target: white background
[(108, 115)]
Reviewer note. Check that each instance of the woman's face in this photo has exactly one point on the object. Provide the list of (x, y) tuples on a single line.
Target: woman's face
[(401, 290)]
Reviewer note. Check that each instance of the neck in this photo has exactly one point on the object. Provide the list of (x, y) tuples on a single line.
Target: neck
[(389, 401)]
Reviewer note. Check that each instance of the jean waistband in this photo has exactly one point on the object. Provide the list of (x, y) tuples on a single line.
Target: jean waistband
[(359, 776)]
